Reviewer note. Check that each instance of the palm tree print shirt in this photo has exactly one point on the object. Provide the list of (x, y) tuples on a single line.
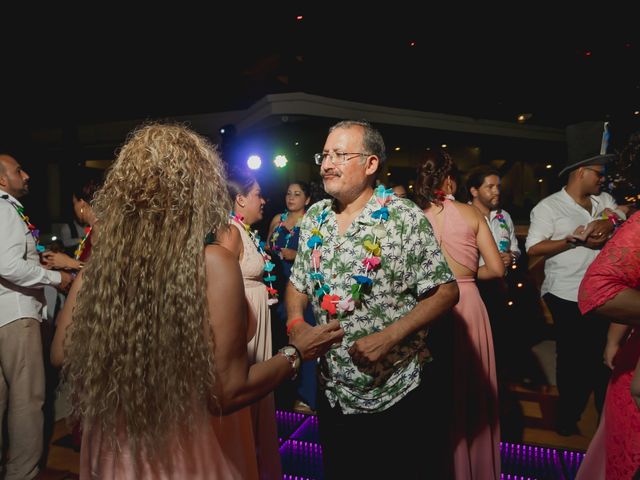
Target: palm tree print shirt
[(411, 265)]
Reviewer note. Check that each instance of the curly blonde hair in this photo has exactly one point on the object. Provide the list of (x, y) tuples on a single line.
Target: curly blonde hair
[(139, 353)]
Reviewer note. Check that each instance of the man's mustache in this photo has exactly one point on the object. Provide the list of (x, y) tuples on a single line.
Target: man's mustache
[(330, 174)]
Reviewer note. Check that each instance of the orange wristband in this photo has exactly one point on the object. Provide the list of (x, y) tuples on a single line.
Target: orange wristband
[(292, 323)]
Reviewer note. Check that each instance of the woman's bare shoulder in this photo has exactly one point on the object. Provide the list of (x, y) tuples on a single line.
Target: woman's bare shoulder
[(217, 256), (229, 238), (470, 213), (467, 209)]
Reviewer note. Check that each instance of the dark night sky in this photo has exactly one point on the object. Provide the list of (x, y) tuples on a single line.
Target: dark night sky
[(63, 66), (112, 65)]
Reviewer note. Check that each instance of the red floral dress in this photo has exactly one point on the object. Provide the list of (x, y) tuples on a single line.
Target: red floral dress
[(616, 268)]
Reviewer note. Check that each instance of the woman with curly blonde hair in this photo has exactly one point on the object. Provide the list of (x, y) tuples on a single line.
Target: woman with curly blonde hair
[(156, 324)]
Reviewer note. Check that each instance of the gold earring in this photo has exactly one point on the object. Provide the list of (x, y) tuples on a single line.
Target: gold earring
[(81, 210)]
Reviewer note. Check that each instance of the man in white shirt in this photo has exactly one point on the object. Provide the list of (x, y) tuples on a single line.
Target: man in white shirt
[(555, 232), (483, 186), (22, 301)]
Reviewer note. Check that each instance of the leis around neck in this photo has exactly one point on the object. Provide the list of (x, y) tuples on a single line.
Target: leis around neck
[(280, 229), (35, 233), (362, 282), (270, 276), (83, 242), (504, 243)]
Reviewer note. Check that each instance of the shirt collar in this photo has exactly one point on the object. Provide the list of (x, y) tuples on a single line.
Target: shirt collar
[(595, 199), (493, 213), (365, 218), (10, 197)]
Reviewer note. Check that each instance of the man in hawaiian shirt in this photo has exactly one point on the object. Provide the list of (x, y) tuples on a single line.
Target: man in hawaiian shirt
[(371, 260)]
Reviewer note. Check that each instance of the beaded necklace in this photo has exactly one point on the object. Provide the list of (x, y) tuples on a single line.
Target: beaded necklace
[(81, 245), (371, 261), (279, 229), (35, 233), (270, 276), (504, 242)]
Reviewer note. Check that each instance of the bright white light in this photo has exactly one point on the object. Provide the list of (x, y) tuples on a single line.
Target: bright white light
[(280, 161), (254, 162), (54, 238)]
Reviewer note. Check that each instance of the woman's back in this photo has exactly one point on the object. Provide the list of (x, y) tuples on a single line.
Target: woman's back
[(456, 228)]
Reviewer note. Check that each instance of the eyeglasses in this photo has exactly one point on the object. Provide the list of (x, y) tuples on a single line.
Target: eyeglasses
[(337, 158), (599, 173)]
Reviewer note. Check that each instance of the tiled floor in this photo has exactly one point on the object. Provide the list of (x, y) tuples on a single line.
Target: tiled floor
[(302, 456), (530, 450), (537, 453)]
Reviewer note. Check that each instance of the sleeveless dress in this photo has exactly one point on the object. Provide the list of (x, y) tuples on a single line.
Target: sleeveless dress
[(200, 454), (476, 427), (307, 384), (219, 448), (614, 451), (260, 349)]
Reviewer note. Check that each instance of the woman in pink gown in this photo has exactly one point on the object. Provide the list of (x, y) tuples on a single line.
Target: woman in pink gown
[(614, 276), (153, 334), (462, 231)]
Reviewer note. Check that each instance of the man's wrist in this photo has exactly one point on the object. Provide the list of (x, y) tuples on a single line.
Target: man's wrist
[(291, 324)]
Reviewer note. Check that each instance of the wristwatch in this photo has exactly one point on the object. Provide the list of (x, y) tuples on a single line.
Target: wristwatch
[(291, 353)]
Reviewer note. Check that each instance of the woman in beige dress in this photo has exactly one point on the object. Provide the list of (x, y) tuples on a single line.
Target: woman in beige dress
[(245, 244)]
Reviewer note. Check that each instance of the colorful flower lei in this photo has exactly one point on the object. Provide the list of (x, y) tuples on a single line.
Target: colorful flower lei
[(372, 260), (504, 242), (278, 230), (81, 245), (270, 276), (35, 233)]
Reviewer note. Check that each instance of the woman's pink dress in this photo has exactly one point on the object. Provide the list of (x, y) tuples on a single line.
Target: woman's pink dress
[(218, 448), (476, 426), (614, 450), (199, 454)]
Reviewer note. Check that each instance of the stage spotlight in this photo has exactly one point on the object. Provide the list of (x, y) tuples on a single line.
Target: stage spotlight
[(254, 162), (280, 161)]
